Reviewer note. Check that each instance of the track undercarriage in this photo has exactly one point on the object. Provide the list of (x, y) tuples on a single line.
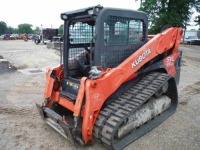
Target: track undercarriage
[(138, 110)]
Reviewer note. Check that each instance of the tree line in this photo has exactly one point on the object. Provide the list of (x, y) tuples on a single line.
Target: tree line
[(22, 28), (176, 13)]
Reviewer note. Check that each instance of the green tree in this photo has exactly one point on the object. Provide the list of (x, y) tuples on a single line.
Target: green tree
[(25, 28), (9, 30), (197, 21), (15, 30), (36, 30), (61, 29), (12, 30), (3, 27), (168, 12)]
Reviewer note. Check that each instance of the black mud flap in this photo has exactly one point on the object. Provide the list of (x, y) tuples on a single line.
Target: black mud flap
[(55, 121)]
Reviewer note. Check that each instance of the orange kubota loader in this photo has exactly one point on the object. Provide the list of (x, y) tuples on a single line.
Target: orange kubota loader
[(116, 83)]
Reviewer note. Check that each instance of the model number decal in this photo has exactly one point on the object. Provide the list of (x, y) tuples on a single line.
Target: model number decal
[(170, 61), (141, 58)]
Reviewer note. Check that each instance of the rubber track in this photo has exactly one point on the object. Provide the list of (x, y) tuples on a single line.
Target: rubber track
[(111, 117)]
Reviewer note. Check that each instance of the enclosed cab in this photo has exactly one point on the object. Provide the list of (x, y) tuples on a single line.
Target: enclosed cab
[(99, 36)]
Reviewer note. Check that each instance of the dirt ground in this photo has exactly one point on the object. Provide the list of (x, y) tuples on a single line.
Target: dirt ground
[(22, 128)]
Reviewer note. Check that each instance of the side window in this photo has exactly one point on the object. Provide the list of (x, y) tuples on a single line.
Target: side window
[(106, 33), (81, 33), (122, 31), (135, 31)]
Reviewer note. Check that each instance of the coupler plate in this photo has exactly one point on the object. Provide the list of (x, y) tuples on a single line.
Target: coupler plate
[(61, 126)]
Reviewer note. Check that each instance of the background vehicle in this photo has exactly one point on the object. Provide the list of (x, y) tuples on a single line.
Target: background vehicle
[(14, 36), (114, 85), (46, 35), (6, 36), (2, 37), (191, 40), (30, 36), (25, 38), (34, 36)]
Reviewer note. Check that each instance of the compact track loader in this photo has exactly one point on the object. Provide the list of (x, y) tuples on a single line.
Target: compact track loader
[(116, 82)]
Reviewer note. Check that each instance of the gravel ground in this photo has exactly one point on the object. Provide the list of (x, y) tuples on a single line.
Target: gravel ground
[(22, 128)]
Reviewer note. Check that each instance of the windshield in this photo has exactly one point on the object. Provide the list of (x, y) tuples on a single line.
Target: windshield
[(192, 37), (81, 41), (81, 33), (80, 36)]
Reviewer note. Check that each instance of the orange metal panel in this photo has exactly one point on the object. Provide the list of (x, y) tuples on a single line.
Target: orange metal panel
[(80, 97), (66, 103), (169, 63), (150, 36), (110, 81), (49, 84)]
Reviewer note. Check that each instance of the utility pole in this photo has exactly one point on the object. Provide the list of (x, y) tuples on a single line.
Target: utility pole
[(184, 33), (42, 32), (140, 3)]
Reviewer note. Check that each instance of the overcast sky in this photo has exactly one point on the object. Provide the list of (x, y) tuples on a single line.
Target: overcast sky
[(47, 12)]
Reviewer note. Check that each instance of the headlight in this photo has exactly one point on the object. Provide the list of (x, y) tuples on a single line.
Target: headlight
[(90, 12), (64, 16)]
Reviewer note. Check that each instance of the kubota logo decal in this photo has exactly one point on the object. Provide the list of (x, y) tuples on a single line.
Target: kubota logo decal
[(141, 58)]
